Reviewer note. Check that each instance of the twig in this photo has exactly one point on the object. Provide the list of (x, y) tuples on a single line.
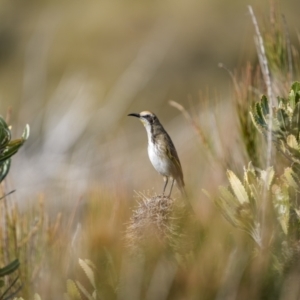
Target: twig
[(236, 85), (267, 78), (190, 120), (199, 131), (262, 58), (288, 46), (9, 287), (7, 194)]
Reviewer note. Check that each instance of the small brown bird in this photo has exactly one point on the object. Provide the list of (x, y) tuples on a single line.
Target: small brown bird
[(161, 151)]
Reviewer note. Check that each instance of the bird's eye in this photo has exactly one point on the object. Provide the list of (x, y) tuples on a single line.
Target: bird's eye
[(151, 119)]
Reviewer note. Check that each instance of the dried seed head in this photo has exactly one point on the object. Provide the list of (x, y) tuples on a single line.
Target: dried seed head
[(157, 223)]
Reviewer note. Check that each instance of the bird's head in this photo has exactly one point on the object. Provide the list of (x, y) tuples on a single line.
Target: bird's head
[(146, 117)]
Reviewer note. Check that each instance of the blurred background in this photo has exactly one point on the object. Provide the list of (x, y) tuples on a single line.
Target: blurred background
[(74, 70)]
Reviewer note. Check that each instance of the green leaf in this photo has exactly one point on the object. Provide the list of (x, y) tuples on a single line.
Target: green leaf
[(11, 149), (8, 148), (10, 268), (292, 142), (265, 105), (228, 197), (292, 101), (26, 132), (267, 176), (84, 291), (86, 266), (226, 211), (283, 119), (249, 175), (5, 135), (256, 122), (259, 116), (296, 120), (281, 102), (276, 128), (288, 174), (281, 204), (294, 95), (72, 290), (4, 169), (237, 187), (296, 168), (226, 203), (228, 208), (37, 297), (296, 89), (255, 191)]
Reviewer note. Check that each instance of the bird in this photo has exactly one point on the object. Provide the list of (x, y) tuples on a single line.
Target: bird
[(161, 151)]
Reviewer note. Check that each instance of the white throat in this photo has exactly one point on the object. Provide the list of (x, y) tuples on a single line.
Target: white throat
[(148, 129)]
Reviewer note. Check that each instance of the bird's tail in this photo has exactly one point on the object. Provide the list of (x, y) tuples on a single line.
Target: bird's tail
[(181, 188), (180, 184)]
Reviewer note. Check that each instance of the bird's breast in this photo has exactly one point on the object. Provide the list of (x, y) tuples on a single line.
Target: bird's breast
[(159, 159)]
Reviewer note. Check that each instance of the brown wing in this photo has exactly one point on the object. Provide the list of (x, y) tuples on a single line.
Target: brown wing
[(172, 154)]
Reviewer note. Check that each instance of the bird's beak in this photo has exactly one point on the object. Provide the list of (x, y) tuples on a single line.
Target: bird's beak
[(134, 115)]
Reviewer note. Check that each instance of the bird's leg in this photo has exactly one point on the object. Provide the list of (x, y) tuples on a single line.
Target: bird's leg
[(166, 180), (171, 187)]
